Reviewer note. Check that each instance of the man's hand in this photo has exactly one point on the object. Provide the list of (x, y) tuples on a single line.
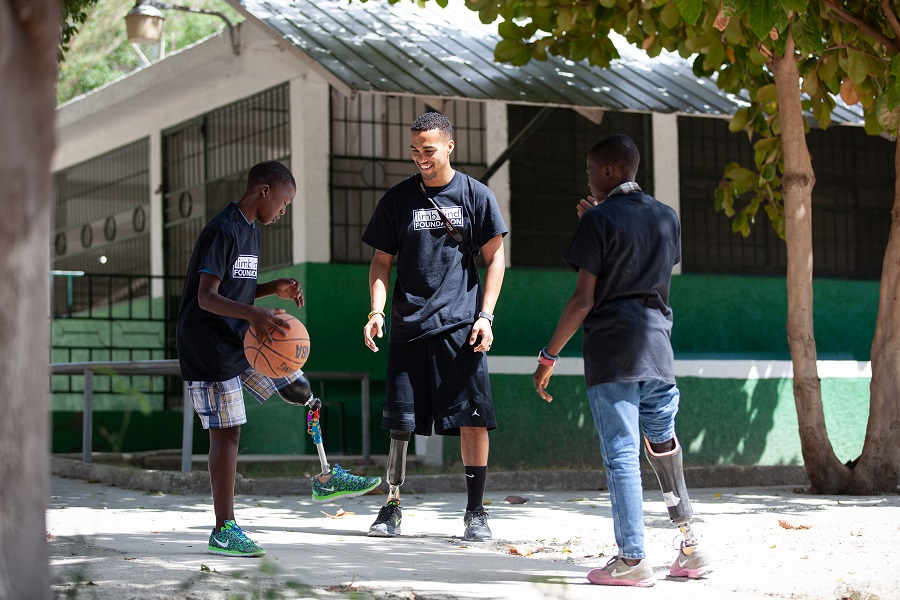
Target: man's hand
[(289, 289), (482, 331), (585, 204), (266, 321), (541, 379), (374, 328)]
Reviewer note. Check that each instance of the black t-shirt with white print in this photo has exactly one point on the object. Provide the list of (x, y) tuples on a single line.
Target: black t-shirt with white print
[(210, 346), (437, 286)]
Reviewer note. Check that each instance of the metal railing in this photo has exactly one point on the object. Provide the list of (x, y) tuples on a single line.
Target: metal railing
[(170, 367)]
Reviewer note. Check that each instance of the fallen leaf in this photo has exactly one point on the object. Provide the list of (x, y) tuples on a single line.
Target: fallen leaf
[(515, 499), (340, 514), (523, 549), (787, 524), (717, 496), (130, 558), (487, 501)]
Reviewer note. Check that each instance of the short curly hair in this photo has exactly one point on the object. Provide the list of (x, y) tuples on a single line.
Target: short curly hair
[(433, 120), (271, 173)]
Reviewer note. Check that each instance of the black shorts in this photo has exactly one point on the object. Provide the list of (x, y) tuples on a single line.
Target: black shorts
[(437, 381)]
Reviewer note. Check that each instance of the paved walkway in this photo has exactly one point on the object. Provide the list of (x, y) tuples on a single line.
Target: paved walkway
[(113, 543)]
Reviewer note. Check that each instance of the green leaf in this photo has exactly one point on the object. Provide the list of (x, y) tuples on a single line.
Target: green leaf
[(565, 19), (689, 10), (761, 22), (808, 36), (507, 50), (767, 94), (856, 66), (798, 6), (669, 15), (738, 121), (742, 179)]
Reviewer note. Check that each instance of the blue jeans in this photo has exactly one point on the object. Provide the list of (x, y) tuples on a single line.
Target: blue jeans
[(620, 411)]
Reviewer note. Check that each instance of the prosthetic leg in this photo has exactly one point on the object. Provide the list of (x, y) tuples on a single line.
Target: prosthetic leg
[(330, 483), (670, 473), (389, 517), (396, 465), (299, 393)]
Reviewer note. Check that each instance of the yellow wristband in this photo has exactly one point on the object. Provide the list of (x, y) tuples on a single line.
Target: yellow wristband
[(376, 312)]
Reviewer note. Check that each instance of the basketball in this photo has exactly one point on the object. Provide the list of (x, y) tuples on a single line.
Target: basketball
[(283, 355)]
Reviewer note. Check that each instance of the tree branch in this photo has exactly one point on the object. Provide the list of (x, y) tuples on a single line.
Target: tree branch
[(889, 43), (891, 17)]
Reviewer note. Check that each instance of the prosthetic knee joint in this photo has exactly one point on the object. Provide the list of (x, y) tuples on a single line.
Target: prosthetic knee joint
[(670, 473), (396, 465)]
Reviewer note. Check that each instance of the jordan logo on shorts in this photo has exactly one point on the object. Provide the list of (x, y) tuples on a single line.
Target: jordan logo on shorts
[(475, 414)]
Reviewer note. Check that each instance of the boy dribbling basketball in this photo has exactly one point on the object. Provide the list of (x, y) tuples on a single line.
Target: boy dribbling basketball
[(216, 310)]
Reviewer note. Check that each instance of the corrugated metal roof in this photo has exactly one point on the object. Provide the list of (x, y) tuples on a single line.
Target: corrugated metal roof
[(403, 49)]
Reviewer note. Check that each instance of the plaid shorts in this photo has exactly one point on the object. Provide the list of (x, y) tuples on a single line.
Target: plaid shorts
[(220, 404)]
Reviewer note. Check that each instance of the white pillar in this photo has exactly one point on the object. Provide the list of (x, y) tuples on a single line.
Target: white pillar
[(667, 183), (496, 141), (310, 152), (154, 217)]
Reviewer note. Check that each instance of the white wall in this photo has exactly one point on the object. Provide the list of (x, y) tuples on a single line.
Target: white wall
[(665, 164), (193, 82), (496, 141)]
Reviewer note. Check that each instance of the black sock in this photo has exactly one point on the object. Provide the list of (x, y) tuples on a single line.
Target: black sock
[(475, 479)]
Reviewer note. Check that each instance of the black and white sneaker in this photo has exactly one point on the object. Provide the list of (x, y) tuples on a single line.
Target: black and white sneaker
[(388, 522), (477, 529)]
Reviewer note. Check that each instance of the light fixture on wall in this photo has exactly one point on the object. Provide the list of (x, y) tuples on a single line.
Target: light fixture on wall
[(144, 22)]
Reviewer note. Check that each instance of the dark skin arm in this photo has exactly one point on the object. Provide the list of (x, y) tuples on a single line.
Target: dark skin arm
[(261, 319), (573, 315)]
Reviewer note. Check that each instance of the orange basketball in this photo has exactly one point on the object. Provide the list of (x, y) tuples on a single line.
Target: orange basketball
[(283, 355)]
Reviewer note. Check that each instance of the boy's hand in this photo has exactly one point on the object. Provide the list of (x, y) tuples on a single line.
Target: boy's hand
[(289, 289), (266, 321), (585, 204)]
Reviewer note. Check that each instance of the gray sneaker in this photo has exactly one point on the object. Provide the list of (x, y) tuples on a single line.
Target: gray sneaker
[(477, 529), (388, 522), (693, 566), (617, 572)]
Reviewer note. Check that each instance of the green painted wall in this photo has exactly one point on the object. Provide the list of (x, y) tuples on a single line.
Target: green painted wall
[(716, 317)]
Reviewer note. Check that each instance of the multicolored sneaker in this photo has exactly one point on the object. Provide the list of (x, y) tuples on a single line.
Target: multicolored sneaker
[(477, 529), (342, 485), (231, 540), (693, 566), (388, 522), (618, 572)]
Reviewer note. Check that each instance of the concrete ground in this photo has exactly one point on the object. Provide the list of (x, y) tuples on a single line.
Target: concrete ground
[(115, 542)]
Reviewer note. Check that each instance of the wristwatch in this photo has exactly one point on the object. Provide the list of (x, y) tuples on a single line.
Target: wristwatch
[(547, 360), (487, 316)]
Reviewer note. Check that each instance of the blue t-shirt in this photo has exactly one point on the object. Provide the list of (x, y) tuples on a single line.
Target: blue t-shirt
[(437, 286), (630, 242), (210, 346)]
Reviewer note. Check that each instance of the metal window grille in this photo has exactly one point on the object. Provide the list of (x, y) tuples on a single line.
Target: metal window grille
[(370, 154), (547, 177), (102, 213), (851, 203), (205, 165)]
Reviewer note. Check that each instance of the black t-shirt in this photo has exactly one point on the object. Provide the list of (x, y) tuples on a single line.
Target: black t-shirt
[(210, 346), (630, 242), (437, 285)]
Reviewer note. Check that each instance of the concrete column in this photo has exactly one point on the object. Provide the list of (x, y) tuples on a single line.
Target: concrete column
[(310, 151), (665, 164), (496, 141), (155, 213)]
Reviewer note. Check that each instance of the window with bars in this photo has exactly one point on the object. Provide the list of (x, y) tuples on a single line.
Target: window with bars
[(205, 165), (851, 203), (101, 213), (547, 177), (370, 154)]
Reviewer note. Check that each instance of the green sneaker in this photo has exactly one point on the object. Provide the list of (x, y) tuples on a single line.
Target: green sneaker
[(232, 541), (342, 485)]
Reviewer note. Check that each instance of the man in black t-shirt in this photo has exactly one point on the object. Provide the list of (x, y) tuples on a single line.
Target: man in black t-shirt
[(435, 224), (624, 249), (216, 311)]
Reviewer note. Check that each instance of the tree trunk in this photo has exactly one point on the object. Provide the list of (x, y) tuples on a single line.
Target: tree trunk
[(29, 33), (822, 465), (878, 468)]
